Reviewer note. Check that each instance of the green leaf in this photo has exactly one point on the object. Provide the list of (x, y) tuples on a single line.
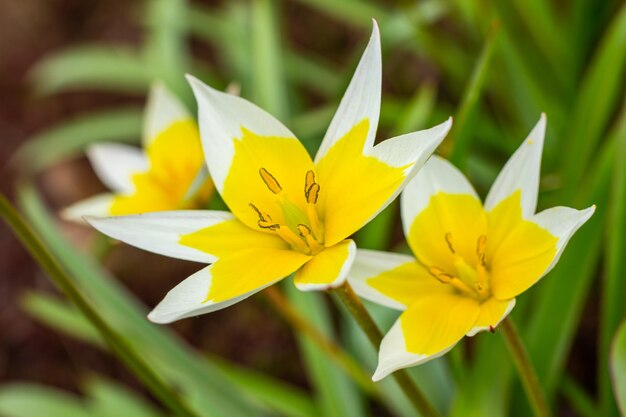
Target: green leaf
[(459, 136), (269, 393), (336, 393), (91, 67), (109, 399), (618, 367), (269, 89), (29, 400), (118, 345), (596, 103), (60, 316), (559, 307), (612, 308), (70, 138), (204, 386), (275, 394), (578, 399), (165, 49), (417, 111), (227, 31)]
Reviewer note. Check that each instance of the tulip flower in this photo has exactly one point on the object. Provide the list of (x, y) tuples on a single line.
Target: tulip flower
[(288, 212), (471, 260), (167, 174)]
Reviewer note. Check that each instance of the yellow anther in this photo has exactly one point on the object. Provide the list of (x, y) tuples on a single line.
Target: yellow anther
[(268, 225), (311, 241), (263, 217), (313, 192), (270, 181), (303, 230), (440, 275), (448, 238), (480, 249), (309, 180)]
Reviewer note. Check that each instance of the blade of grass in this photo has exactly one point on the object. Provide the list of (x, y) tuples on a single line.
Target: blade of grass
[(108, 399), (165, 48), (618, 367), (71, 137), (596, 103), (200, 381), (118, 345), (540, 23), (561, 300), (459, 137), (578, 399), (283, 398), (92, 67), (336, 394), (28, 400), (60, 316), (268, 393), (267, 59), (614, 285)]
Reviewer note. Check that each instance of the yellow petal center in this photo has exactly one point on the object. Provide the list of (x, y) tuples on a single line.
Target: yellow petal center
[(299, 227), (469, 276), (481, 254)]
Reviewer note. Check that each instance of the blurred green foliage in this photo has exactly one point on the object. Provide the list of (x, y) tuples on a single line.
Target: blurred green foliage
[(496, 65)]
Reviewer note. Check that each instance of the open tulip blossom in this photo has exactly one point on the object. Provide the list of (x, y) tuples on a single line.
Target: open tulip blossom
[(471, 261), (167, 174), (288, 213)]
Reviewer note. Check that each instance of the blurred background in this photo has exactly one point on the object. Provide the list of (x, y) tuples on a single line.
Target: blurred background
[(74, 73)]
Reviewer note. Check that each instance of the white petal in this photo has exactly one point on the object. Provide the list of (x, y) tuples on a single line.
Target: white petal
[(162, 109), (521, 172), (221, 117), (412, 149), (160, 232), (371, 263), (187, 299), (562, 222), (98, 205), (361, 100), (437, 175), (393, 354), (475, 330), (116, 163)]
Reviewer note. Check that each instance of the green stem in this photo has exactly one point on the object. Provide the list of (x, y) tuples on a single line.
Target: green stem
[(356, 308), (118, 345), (525, 369), (282, 305)]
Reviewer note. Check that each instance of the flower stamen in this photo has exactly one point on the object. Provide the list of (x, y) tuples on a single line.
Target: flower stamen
[(302, 230), (448, 238), (270, 181)]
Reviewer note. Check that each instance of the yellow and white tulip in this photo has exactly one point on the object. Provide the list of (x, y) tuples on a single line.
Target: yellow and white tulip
[(471, 260), (167, 174), (288, 212)]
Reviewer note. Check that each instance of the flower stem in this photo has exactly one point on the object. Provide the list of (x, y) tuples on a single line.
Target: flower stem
[(282, 305), (356, 308), (525, 369)]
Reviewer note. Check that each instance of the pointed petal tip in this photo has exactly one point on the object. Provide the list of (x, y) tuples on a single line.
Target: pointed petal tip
[(196, 84), (375, 28), (380, 373), (155, 317), (157, 86), (588, 212), (539, 130)]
